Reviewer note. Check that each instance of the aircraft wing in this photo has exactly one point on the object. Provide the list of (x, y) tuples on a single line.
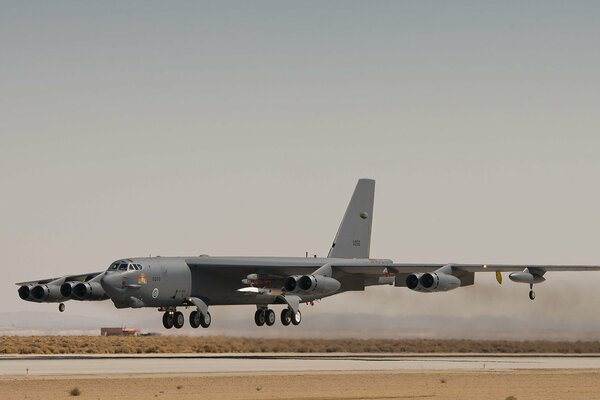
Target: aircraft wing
[(374, 269), (274, 268), (80, 277)]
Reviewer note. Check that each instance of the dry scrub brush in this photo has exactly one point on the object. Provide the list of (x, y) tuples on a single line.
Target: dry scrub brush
[(220, 344)]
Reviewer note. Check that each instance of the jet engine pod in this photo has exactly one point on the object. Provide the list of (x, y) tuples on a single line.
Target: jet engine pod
[(40, 292), (438, 282), (413, 282), (290, 284), (318, 284), (66, 289), (47, 293), (88, 291), (307, 283), (25, 292)]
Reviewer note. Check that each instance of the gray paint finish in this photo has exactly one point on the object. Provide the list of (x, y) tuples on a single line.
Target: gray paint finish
[(201, 281)]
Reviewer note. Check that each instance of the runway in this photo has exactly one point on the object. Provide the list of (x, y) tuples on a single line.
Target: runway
[(21, 365)]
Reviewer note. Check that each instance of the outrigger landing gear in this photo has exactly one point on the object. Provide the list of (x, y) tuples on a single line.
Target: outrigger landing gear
[(61, 307), (531, 292)]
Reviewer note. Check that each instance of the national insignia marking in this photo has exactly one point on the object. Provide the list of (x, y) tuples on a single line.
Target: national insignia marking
[(142, 279)]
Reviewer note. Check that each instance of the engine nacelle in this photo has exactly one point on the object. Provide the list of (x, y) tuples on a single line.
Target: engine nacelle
[(318, 284), (66, 289), (439, 282), (290, 284), (88, 291), (25, 293), (47, 293), (432, 282), (413, 282)]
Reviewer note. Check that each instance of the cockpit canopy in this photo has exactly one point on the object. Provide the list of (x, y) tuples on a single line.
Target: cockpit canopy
[(124, 265)]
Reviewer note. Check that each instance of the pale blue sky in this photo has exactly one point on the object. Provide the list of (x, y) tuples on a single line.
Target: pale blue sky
[(232, 128)]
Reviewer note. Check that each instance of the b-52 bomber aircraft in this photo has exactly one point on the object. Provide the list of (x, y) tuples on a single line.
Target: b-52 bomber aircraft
[(169, 283)]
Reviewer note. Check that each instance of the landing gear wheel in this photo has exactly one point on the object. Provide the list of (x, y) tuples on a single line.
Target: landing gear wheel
[(194, 319), (259, 317), (168, 320), (178, 320), (205, 320), (269, 317), (296, 318), (61, 307), (531, 295), (286, 316)]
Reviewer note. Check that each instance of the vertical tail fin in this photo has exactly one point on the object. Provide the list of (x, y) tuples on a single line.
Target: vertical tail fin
[(353, 239)]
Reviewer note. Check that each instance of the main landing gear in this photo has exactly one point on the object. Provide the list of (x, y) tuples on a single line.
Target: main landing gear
[(173, 318), (531, 292), (61, 307), (197, 319), (265, 316)]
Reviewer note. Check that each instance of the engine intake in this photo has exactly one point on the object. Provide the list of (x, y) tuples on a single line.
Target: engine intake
[(291, 283), (25, 292), (413, 282), (66, 289), (40, 292)]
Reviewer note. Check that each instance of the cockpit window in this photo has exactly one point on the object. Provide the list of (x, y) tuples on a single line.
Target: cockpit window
[(124, 266)]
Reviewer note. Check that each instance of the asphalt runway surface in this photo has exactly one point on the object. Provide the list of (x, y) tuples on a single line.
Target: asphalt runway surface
[(19, 365)]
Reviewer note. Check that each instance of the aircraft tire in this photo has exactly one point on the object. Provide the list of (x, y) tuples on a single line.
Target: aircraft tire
[(194, 319), (205, 320), (178, 320), (531, 295), (61, 307), (286, 316), (296, 318), (259, 317), (269, 317), (168, 320)]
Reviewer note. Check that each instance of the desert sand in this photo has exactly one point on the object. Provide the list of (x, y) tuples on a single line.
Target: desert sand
[(481, 385)]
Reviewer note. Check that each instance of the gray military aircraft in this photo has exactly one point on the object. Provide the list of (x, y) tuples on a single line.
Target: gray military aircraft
[(167, 283)]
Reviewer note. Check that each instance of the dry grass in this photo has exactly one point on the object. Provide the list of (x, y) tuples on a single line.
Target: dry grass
[(220, 344)]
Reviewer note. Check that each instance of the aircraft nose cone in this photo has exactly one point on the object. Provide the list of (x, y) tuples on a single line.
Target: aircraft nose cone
[(111, 283)]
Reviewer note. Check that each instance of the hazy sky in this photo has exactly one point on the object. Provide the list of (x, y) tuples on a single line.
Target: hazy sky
[(240, 128)]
